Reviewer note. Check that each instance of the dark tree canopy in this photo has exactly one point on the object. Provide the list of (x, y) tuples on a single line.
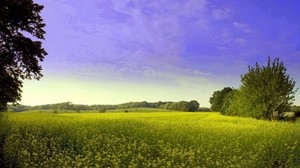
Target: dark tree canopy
[(19, 54)]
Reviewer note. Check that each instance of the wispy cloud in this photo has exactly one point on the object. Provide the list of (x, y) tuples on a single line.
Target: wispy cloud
[(242, 26), (240, 41), (221, 14), (194, 8)]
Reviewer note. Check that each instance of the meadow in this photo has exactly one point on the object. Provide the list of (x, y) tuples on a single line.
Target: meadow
[(157, 139)]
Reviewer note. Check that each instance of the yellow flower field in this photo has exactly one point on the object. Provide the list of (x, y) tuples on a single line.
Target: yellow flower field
[(159, 139)]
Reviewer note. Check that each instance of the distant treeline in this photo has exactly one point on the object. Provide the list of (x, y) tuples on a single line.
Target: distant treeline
[(191, 106), (61, 106)]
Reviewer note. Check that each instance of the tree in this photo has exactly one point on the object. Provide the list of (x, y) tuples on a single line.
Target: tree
[(265, 90), (19, 54), (193, 105), (231, 102), (218, 98)]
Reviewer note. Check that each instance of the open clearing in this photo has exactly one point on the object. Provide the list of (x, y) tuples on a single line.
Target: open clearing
[(158, 139)]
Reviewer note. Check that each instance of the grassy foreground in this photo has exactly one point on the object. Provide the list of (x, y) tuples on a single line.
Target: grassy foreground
[(146, 140)]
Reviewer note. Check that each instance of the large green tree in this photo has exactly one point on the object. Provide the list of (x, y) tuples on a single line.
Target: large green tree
[(20, 55), (265, 91)]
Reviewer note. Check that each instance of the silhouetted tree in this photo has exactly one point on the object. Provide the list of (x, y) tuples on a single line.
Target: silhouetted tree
[(19, 54)]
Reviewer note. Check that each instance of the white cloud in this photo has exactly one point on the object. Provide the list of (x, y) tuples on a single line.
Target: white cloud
[(221, 14), (222, 38), (240, 41), (178, 75), (121, 6), (242, 26), (202, 23), (194, 8)]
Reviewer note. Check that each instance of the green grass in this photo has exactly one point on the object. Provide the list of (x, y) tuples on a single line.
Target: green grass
[(159, 139)]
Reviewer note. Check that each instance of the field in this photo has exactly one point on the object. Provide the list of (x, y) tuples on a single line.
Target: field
[(158, 139)]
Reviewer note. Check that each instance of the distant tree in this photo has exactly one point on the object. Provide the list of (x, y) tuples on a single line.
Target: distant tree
[(174, 106), (66, 106), (194, 105), (218, 98), (265, 90), (19, 54), (18, 108), (158, 104), (166, 105), (182, 106), (295, 108)]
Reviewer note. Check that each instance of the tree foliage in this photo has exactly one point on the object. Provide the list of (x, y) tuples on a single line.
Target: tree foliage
[(231, 101), (178, 106), (191, 106), (19, 54), (265, 90), (218, 98)]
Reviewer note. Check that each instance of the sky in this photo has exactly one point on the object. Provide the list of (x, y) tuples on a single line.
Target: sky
[(117, 51)]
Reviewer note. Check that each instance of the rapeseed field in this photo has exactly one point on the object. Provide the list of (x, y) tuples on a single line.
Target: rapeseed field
[(159, 139)]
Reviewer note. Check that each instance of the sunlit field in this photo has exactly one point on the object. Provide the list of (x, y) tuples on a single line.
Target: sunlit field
[(158, 139)]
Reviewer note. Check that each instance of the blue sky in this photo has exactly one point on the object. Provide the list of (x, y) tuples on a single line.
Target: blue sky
[(116, 51)]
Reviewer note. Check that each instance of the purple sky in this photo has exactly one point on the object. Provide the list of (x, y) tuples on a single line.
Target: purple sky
[(115, 51)]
